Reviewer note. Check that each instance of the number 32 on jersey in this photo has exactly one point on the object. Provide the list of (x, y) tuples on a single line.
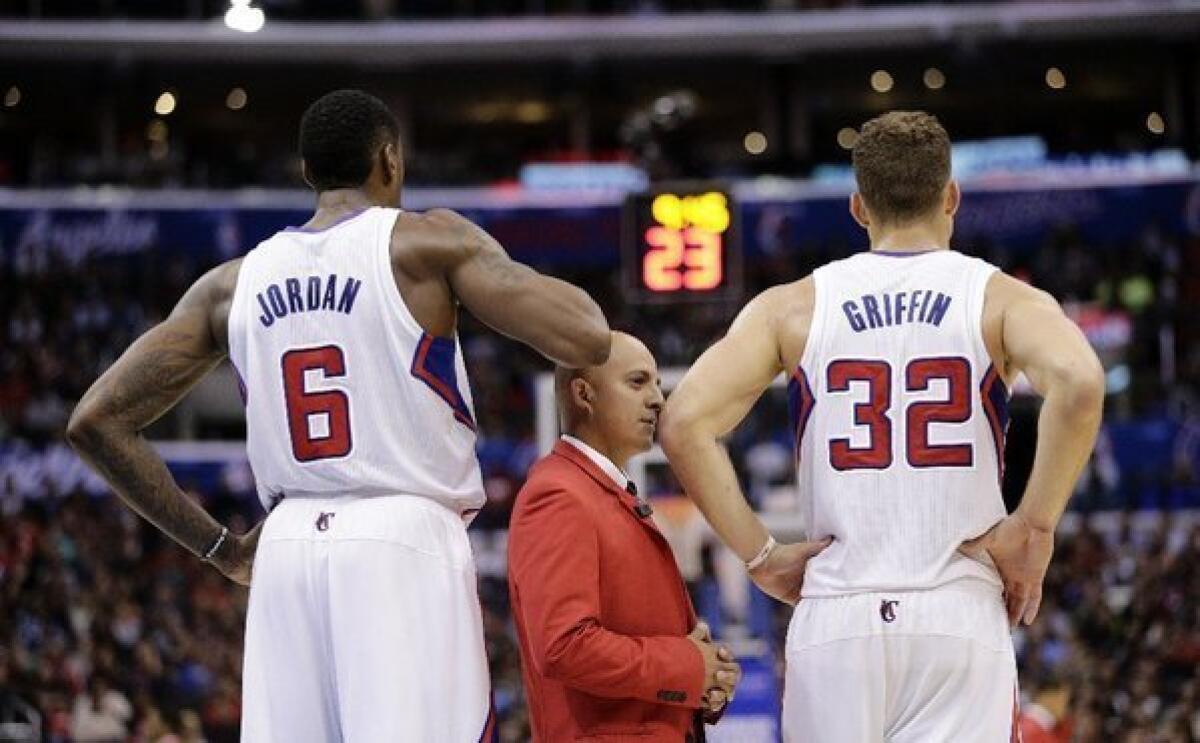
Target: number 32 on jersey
[(875, 412)]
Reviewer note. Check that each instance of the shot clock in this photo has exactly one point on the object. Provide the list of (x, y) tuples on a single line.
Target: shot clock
[(681, 243)]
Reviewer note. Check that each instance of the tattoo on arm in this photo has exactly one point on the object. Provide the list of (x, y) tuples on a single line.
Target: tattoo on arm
[(144, 383), (501, 269)]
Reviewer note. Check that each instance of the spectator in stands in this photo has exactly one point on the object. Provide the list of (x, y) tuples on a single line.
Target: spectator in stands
[(100, 715), (1045, 719)]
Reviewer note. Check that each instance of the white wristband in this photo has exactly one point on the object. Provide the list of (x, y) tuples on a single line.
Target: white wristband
[(212, 551), (763, 554)]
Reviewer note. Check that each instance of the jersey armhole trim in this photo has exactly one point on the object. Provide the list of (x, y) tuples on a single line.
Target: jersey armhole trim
[(983, 276), (387, 274), (814, 344), (235, 328)]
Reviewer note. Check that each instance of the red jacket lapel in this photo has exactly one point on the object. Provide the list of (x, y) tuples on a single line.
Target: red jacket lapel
[(583, 462)]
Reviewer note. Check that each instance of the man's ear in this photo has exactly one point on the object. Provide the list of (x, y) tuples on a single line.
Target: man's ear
[(952, 198), (304, 174), (858, 210), (389, 163), (583, 395)]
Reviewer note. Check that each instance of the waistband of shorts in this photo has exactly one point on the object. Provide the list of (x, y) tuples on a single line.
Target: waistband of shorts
[(972, 610), (414, 499), (968, 587)]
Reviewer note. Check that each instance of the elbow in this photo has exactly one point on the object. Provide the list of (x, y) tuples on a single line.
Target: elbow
[(596, 343), (1089, 390), (674, 430), (1084, 387), (586, 344), (591, 334), (84, 428)]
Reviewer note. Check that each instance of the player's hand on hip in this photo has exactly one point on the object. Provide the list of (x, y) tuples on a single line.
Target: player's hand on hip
[(782, 575), (237, 563), (1021, 553), (721, 671)]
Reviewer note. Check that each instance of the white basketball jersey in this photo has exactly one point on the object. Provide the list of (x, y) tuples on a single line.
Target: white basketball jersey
[(345, 393), (899, 420)]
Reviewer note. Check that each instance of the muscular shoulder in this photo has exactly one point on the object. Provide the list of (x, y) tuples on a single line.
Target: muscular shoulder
[(428, 243), (212, 295), (221, 281), (778, 304), (786, 312), (1003, 289), (1003, 295)]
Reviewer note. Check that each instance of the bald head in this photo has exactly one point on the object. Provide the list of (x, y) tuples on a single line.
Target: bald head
[(615, 403)]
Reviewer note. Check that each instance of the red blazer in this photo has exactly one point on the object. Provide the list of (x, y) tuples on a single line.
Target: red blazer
[(601, 611)]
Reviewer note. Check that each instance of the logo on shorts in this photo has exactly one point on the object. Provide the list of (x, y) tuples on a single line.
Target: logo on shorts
[(887, 610), (323, 520)]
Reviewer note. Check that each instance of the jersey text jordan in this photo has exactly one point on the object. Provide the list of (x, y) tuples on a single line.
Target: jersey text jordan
[(311, 294)]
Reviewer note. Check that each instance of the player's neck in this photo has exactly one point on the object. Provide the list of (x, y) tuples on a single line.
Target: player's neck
[(913, 238), (343, 200)]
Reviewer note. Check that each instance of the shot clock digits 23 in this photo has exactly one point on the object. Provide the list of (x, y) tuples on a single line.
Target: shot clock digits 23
[(681, 243)]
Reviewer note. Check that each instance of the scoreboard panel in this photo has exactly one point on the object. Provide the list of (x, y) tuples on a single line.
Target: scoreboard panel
[(681, 243)]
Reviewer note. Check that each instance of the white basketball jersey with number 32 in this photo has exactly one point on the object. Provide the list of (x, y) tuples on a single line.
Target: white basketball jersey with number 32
[(900, 420)]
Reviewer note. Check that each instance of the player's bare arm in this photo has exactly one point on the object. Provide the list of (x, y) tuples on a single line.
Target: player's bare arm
[(143, 384), (711, 400), (557, 319), (1033, 336)]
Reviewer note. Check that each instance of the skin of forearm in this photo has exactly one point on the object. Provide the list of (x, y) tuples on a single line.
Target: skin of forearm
[(1067, 427), (139, 476), (703, 468)]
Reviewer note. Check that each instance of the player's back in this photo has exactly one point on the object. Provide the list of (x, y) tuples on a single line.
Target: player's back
[(900, 420), (345, 392)]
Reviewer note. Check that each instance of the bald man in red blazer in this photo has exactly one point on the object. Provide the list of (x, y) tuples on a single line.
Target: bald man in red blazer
[(610, 646)]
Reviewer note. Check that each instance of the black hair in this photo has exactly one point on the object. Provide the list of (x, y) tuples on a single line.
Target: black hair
[(341, 134)]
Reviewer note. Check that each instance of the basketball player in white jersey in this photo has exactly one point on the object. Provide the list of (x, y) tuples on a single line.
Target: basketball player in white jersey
[(899, 362), (363, 624)]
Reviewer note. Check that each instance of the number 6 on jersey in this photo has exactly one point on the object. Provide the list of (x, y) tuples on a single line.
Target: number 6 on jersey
[(307, 410)]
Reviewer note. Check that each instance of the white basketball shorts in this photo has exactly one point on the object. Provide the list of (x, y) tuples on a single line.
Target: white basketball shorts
[(921, 667), (364, 626)]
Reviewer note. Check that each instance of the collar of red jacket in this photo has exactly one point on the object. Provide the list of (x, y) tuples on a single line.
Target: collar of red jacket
[(581, 460)]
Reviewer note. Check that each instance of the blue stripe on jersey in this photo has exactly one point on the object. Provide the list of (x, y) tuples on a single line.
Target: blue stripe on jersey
[(433, 364), (994, 393), (800, 406)]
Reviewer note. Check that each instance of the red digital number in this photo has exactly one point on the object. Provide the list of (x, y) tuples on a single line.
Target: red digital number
[(303, 405), (956, 408), (660, 266), (877, 455), (682, 259), (703, 259), (873, 413)]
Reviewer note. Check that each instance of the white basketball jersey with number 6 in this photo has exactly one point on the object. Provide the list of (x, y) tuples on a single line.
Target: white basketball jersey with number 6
[(345, 393), (900, 420)]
